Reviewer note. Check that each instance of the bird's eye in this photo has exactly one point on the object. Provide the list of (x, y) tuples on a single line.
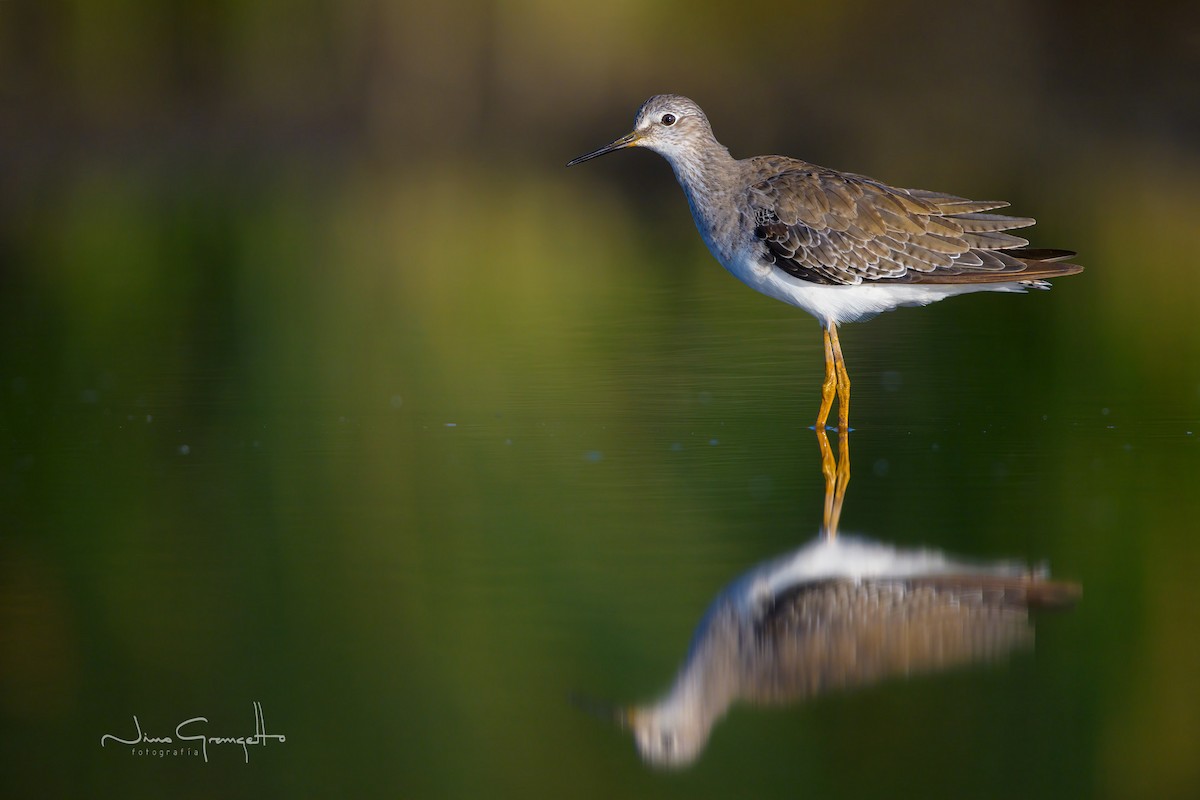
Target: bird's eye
[(667, 740), (668, 119)]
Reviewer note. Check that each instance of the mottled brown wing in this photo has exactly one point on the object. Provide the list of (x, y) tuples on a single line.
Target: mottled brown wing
[(838, 634), (836, 228)]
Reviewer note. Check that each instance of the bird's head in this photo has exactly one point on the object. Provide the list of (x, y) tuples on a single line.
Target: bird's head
[(667, 735), (669, 124), (666, 739)]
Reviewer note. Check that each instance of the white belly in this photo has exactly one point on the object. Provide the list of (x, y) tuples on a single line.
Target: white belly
[(833, 305)]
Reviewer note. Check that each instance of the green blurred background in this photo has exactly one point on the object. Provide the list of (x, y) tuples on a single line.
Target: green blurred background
[(324, 385)]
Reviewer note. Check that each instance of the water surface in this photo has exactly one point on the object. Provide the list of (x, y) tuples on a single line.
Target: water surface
[(410, 498)]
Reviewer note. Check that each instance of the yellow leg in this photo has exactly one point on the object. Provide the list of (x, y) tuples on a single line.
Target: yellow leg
[(836, 470), (828, 387), (837, 477), (843, 381)]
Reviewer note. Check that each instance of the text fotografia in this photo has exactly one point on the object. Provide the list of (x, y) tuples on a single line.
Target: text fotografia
[(192, 739)]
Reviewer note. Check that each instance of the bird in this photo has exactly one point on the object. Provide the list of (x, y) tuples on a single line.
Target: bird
[(842, 247), (834, 615)]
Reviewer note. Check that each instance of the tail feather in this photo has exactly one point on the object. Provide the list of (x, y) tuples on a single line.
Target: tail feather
[(1023, 264)]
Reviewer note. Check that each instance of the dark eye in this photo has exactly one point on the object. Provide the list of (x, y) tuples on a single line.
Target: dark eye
[(668, 119), (666, 739)]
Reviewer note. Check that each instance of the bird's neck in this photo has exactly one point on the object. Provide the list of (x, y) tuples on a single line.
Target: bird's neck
[(704, 175), (710, 680), (700, 170)]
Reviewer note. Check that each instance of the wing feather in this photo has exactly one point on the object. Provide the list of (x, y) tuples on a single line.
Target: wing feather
[(838, 228)]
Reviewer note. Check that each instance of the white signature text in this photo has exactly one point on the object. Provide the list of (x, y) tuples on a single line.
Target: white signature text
[(193, 740)]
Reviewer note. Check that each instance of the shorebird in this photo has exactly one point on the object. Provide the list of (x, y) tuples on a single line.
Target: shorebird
[(836, 614), (842, 247)]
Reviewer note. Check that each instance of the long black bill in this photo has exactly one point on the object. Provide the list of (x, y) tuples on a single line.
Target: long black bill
[(628, 140), (622, 717)]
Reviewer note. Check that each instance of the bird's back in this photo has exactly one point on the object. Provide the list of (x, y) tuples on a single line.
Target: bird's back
[(843, 633), (837, 228)]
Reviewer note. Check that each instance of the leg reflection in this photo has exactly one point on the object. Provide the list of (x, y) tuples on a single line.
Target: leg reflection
[(837, 477)]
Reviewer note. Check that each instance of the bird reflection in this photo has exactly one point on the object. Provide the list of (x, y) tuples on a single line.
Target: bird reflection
[(838, 613), (836, 471)]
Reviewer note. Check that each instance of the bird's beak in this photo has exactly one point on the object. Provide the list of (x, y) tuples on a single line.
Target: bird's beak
[(628, 140), (621, 716)]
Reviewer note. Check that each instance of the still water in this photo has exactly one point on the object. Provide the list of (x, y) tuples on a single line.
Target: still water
[(385, 509)]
